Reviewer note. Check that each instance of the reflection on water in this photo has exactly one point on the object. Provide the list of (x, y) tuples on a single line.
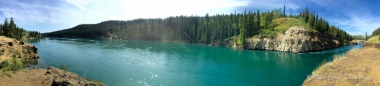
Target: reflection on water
[(118, 62)]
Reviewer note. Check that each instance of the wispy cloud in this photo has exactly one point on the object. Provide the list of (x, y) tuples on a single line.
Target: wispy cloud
[(51, 15), (78, 3), (356, 17), (33, 14)]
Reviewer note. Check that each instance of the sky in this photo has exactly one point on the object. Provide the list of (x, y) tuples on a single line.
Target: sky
[(354, 16)]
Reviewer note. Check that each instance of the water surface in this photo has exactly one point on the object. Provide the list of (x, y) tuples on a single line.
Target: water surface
[(138, 63)]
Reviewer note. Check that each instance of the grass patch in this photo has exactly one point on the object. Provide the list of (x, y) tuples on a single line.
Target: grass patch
[(325, 65), (374, 39), (267, 33), (322, 68), (24, 51), (64, 67), (283, 24), (2, 51), (10, 66), (8, 74), (24, 58), (16, 54)]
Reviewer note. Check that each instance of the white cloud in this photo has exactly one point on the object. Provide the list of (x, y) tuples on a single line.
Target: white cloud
[(46, 16), (95, 11), (352, 16), (359, 24), (79, 3)]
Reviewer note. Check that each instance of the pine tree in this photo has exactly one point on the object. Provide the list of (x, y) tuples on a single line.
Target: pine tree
[(5, 27), (284, 15)]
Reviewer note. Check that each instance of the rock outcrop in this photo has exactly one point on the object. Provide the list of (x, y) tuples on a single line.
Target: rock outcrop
[(47, 77), (11, 47), (296, 39), (64, 78)]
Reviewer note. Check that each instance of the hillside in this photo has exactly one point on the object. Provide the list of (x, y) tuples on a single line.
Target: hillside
[(374, 39), (216, 30)]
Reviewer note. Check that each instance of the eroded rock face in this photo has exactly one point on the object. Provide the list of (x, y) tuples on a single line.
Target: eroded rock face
[(296, 39)]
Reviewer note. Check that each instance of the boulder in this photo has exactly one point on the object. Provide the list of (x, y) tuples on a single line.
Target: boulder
[(10, 44), (65, 78), (21, 43)]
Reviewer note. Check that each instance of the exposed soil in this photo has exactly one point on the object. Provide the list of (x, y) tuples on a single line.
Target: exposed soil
[(359, 68)]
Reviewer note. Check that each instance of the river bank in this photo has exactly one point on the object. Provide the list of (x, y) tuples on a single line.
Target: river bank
[(15, 55), (357, 67)]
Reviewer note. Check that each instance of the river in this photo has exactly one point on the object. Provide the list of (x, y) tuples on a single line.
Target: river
[(142, 63)]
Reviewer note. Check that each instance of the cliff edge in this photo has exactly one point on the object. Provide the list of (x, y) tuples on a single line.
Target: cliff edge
[(295, 39)]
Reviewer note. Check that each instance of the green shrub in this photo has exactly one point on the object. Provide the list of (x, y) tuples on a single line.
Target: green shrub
[(6, 74), (17, 65), (10, 66), (16, 54), (24, 51), (63, 67), (2, 51), (4, 64)]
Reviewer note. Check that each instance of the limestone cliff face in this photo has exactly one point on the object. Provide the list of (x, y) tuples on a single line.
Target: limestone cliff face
[(296, 39)]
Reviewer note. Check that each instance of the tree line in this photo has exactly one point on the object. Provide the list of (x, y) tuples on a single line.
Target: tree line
[(11, 30), (215, 29), (376, 32)]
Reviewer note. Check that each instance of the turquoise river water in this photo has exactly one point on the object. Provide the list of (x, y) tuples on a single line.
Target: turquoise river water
[(141, 63)]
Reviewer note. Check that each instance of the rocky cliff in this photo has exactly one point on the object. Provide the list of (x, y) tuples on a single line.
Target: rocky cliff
[(295, 39)]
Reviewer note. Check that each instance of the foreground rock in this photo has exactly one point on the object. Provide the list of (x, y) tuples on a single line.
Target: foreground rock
[(296, 39), (47, 77)]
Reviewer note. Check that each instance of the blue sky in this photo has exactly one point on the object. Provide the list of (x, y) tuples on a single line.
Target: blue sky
[(354, 16)]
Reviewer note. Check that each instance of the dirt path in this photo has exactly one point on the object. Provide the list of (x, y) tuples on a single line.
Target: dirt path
[(360, 68)]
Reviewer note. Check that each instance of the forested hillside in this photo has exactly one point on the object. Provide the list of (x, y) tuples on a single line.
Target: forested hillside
[(11, 30), (204, 29), (376, 32)]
